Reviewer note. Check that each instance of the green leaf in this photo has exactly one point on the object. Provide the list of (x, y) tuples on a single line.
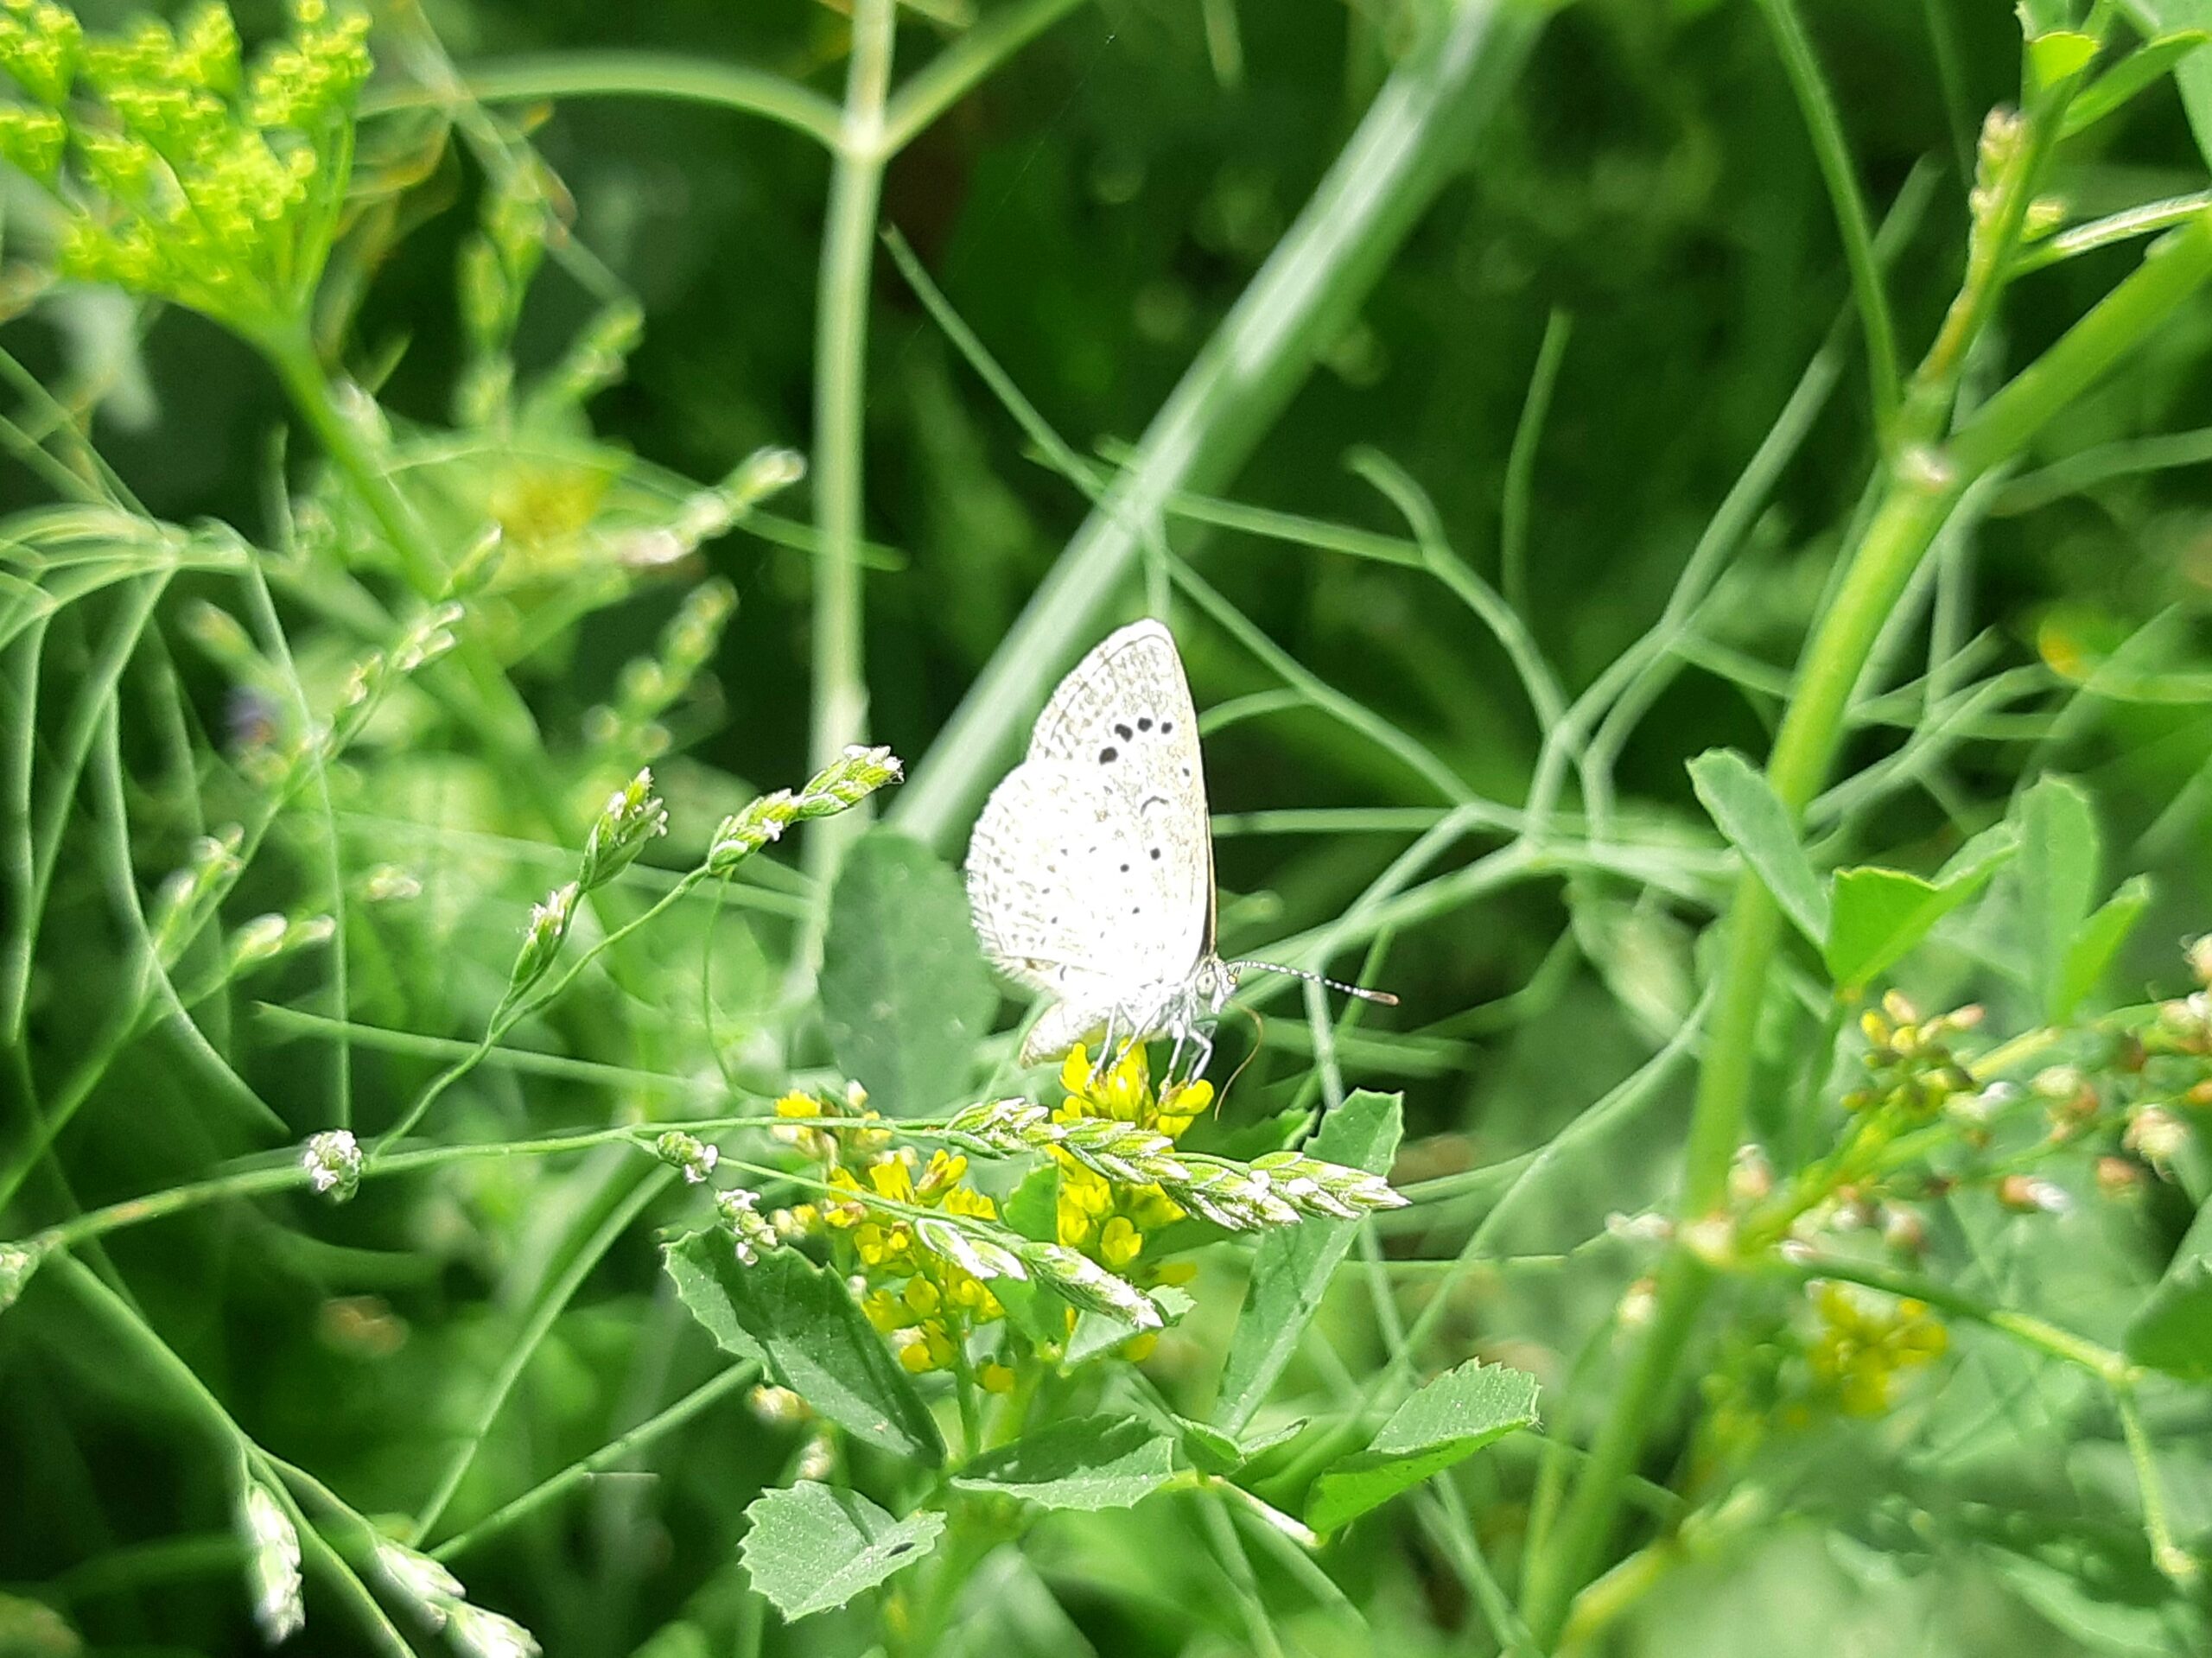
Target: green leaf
[(799, 1320), (2060, 53), (2127, 79), (2193, 74), (2173, 1332), (808, 1548), (904, 992), (1099, 1332), (1092, 1462), (1216, 1452), (2058, 878), (1447, 1421), (1292, 1266), (1761, 830), (1878, 915), (2097, 941)]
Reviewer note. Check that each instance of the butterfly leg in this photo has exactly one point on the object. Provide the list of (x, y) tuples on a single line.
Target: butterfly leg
[(1168, 1078), (1103, 1065), (1202, 1043)]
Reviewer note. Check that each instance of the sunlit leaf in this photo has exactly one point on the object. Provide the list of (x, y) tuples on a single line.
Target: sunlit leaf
[(1092, 1462), (799, 1320), (1448, 1420), (1292, 1267), (810, 1548)]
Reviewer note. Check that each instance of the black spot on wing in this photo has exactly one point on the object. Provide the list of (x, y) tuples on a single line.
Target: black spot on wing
[(1108, 754)]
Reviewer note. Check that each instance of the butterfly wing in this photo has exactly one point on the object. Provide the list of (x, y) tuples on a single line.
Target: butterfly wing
[(1124, 715), (1066, 894)]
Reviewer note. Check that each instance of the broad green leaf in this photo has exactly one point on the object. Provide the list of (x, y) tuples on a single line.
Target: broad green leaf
[(2059, 54), (904, 992), (1092, 1462), (1878, 915), (2097, 940), (799, 1320), (810, 1548), (1759, 827), (2057, 873), (1448, 1420), (2127, 79), (1292, 1267), (2173, 1331)]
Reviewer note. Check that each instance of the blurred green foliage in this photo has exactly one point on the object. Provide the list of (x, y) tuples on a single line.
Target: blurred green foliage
[(564, 310)]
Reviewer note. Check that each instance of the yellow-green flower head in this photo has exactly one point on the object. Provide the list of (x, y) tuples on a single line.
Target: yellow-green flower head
[(924, 1302), (1865, 1341), (42, 45)]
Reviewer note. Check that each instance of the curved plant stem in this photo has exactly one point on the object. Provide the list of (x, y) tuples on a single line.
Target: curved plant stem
[(1414, 133), (840, 330), (631, 74)]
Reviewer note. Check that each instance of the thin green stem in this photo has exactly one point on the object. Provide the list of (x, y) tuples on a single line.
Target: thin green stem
[(2112, 229), (2179, 1565), (529, 79), (1521, 463), (291, 353), (552, 1301), (957, 71), (615, 1450), (841, 333), (513, 1009), (1825, 126)]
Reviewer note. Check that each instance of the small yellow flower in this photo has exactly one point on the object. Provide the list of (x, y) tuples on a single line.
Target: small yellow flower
[(1119, 1242), (995, 1377)]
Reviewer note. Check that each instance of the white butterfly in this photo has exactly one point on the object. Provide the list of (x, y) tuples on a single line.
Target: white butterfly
[(1091, 871)]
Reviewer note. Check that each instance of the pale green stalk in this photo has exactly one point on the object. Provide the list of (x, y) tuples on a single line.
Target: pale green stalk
[(1414, 133)]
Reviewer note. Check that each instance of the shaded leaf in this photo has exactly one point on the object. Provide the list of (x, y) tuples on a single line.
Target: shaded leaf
[(1216, 1453), (2128, 79), (1099, 1332), (1093, 1462), (1876, 915), (2172, 1333), (799, 1320), (1292, 1266), (810, 1548), (1448, 1420), (904, 992), (2098, 940), (1761, 830), (2057, 879)]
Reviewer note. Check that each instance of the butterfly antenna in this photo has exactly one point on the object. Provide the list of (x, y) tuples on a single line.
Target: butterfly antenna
[(1360, 990)]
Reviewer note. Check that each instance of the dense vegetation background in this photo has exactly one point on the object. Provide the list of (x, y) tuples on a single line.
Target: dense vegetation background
[(1630, 287)]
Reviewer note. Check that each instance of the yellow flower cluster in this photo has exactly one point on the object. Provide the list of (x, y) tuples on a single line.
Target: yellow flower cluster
[(196, 178), (1111, 1223), (925, 1303), (1865, 1341)]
